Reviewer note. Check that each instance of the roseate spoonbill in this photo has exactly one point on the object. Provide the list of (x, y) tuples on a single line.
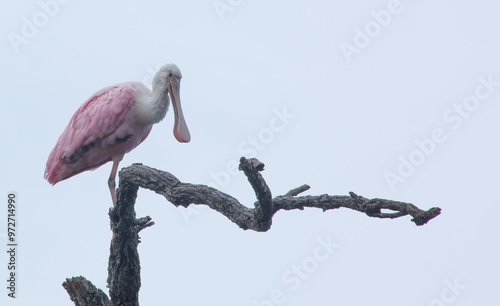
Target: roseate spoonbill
[(114, 121)]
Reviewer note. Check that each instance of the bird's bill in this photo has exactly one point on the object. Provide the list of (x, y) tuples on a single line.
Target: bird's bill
[(181, 131)]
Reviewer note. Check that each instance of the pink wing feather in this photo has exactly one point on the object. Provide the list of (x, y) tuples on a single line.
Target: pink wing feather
[(96, 119)]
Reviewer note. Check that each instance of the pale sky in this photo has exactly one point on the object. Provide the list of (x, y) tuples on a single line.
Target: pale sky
[(388, 99)]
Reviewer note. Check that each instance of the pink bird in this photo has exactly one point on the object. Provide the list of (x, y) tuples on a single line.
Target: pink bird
[(114, 121)]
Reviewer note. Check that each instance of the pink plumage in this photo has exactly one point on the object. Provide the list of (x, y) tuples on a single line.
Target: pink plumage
[(89, 140), (112, 122)]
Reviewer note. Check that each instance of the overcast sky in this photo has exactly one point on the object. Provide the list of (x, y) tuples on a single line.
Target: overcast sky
[(389, 99)]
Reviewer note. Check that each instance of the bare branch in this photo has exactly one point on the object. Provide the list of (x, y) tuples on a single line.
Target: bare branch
[(82, 292), (143, 223), (259, 218), (264, 208), (297, 191)]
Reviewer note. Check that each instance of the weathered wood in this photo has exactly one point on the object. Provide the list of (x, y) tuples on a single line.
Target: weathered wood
[(258, 218), (84, 293), (124, 269), (124, 279)]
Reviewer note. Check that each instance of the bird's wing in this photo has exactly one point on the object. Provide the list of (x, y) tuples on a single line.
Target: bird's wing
[(97, 118)]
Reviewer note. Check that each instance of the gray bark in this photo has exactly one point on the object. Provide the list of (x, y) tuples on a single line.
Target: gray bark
[(84, 293), (124, 267)]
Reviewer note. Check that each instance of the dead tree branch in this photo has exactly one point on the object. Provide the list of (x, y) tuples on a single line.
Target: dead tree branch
[(124, 267), (83, 293), (260, 217)]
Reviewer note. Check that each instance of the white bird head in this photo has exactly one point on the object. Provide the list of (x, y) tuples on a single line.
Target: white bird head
[(170, 76)]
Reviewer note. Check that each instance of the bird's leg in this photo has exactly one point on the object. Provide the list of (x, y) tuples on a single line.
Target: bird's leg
[(111, 180)]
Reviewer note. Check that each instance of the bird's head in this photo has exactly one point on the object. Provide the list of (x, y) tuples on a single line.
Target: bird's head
[(170, 75)]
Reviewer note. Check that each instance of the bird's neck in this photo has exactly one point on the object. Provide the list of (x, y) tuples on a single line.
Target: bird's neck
[(158, 104)]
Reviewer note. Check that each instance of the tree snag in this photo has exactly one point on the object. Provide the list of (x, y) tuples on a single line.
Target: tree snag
[(124, 267)]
